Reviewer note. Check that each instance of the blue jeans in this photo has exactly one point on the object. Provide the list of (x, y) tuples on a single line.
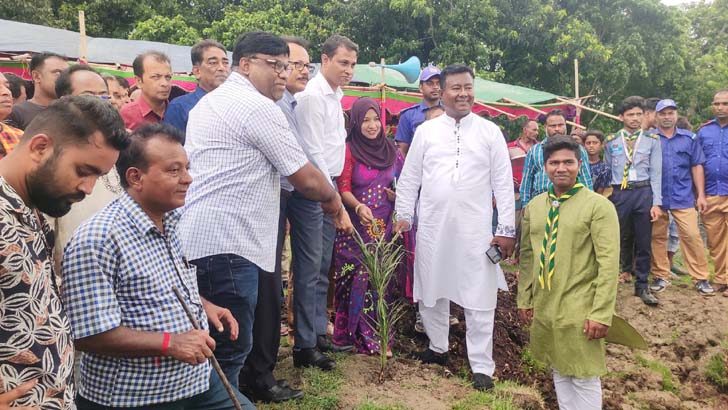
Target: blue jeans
[(312, 247), (230, 281), (215, 398)]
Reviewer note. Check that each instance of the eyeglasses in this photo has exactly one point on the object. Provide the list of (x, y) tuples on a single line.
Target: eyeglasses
[(277, 66), (299, 66)]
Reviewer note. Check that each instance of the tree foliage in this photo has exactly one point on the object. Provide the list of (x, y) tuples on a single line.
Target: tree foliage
[(624, 47)]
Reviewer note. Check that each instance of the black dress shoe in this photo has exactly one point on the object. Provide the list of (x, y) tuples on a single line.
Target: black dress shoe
[(482, 382), (312, 358), (647, 297), (282, 383), (429, 356), (324, 345), (277, 394)]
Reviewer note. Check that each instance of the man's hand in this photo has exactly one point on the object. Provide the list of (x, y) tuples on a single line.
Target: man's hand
[(7, 398), (217, 316), (333, 206), (526, 315), (595, 330), (193, 347), (506, 245), (702, 204), (655, 213), (364, 214), (401, 226), (342, 222)]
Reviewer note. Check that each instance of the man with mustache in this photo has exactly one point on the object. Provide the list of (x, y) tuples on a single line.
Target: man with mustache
[(153, 74), (62, 153), (211, 66), (120, 272), (45, 68), (320, 121), (257, 374), (411, 118)]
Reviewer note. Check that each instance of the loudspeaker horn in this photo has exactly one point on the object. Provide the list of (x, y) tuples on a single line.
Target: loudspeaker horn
[(410, 69)]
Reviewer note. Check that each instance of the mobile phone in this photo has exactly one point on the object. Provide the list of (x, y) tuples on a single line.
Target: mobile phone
[(494, 254)]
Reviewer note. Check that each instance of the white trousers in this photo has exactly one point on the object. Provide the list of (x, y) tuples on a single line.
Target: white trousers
[(478, 335), (578, 394)]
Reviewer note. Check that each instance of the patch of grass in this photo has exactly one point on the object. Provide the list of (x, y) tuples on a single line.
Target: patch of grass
[(622, 375), (504, 396), (716, 371), (532, 364), (674, 336), (321, 390), (668, 383), (370, 405)]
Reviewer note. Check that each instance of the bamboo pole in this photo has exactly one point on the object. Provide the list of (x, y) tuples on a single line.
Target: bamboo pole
[(82, 30), (532, 108), (384, 99), (576, 89), (496, 109), (583, 107)]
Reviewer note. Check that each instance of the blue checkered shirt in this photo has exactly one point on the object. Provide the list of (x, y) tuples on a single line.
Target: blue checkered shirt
[(118, 270), (536, 181)]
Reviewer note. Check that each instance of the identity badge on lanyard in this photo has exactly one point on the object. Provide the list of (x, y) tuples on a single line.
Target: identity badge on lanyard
[(632, 174)]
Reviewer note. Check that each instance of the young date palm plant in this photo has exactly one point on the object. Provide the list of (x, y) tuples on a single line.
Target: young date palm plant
[(381, 258)]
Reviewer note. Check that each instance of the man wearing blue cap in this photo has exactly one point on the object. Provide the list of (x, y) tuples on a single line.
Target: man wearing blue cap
[(412, 117), (682, 172)]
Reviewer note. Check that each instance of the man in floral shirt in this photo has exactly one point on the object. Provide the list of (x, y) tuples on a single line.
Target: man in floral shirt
[(64, 150)]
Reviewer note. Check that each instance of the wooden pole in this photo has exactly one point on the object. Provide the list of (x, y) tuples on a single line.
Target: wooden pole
[(532, 108), (576, 89), (496, 109), (384, 100), (213, 360), (82, 30), (583, 107)]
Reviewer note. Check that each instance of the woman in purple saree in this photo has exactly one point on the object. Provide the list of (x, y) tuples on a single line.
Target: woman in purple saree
[(372, 165)]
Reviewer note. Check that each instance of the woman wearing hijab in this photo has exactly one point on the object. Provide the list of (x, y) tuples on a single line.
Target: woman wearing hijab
[(372, 165)]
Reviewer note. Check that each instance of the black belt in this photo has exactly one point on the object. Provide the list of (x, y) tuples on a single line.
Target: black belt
[(633, 185)]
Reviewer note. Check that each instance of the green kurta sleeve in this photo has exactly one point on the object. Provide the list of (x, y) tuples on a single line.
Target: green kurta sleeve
[(604, 230), (526, 264)]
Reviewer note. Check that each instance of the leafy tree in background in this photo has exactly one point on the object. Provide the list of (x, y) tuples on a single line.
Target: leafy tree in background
[(172, 30)]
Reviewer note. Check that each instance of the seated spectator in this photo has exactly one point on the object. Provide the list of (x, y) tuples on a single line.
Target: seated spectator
[(211, 66), (120, 273), (153, 74)]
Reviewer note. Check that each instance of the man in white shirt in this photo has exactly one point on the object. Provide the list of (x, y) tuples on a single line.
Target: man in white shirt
[(240, 143), (322, 134)]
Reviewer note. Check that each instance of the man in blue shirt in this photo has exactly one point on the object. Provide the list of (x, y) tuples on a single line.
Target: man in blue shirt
[(713, 137), (412, 117), (682, 171), (211, 66)]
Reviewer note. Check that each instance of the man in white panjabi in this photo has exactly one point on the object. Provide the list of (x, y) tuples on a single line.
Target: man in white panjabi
[(456, 163)]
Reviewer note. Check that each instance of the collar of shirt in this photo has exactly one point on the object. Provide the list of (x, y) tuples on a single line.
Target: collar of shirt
[(320, 82), (199, 92), (450, 121), (678, 132), (143, 222), (12, 202), (289, 99)]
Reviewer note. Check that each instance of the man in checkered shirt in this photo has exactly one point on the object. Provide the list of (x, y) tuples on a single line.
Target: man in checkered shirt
[(240, 144), (119, 272)]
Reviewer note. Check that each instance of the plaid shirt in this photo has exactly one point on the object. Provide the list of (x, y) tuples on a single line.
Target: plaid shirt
[(535, 180), (9, 138), (239, 144), (118, 270)]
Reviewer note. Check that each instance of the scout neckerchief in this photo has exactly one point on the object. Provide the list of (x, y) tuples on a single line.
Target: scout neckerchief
[(552, 229), (630, 149)]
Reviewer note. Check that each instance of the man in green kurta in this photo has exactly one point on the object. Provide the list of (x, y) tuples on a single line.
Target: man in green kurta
[(568, 282)]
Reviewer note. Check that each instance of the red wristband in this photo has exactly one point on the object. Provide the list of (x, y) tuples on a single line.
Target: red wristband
[(165, 344)]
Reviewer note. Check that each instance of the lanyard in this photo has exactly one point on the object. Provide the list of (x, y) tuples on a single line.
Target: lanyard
[(630, 160)]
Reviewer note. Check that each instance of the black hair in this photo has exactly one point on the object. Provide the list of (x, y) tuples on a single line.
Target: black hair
[(452, 70), (73, 119), (138, 63), (39, 60), (123, 82), (297, 40), (258, 42), (559, 142), (63, 83), (135, 156), (199, 49), (631, 102), (556, 112), (596, 133), (334, 42), (16, 84), (651, 104)]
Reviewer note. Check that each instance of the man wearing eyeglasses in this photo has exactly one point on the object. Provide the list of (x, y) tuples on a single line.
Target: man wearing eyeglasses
[(321, 125), (211, 66), (240, 144)]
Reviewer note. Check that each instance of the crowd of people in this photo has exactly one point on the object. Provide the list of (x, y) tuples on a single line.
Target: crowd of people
[(182, 207)]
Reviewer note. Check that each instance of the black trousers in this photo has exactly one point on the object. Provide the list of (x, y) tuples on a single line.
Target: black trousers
[(633, 209), (258, 370)]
